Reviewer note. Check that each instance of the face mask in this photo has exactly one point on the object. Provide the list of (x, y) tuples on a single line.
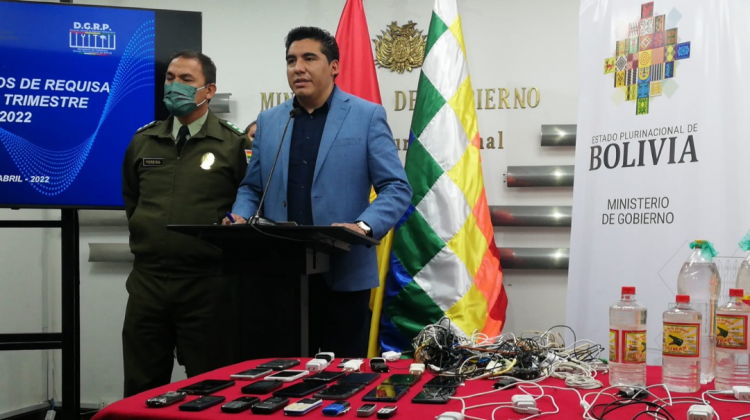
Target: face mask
[(180, 98)]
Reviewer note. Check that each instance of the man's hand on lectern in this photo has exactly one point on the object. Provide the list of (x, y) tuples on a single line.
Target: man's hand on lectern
[(238, 220), (351, 226)]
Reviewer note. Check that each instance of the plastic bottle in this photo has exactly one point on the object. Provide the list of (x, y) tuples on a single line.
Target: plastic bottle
[(681, 351), (699, 279), (743, 274), (732, 354), (627, 341)]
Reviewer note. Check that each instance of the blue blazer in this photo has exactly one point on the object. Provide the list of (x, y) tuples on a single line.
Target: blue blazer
[(356, 152)]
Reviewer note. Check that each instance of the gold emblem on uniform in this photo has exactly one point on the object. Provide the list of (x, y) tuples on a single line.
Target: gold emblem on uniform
[(400, 48), (207, 160)]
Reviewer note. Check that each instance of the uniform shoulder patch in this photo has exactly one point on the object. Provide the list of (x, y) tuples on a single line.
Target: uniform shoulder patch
[(233, 127), (149, 125)]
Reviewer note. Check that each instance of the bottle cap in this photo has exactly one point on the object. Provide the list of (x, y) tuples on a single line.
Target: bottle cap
[(683, 299), (736, 292), (628, 290), (699, 243)]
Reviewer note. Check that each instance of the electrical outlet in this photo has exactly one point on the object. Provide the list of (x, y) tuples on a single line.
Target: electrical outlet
[(103, 403)]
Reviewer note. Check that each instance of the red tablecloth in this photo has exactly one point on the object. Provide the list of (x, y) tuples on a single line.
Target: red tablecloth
[(568, 402)]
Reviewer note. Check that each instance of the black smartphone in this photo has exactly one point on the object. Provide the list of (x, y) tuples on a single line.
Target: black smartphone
[(339, 391), (434, 396), (270, 405), (239, 405), (386, 393), (279, 364), (202, 403), (360, 378), (261, 387), (443, 382), (325, 376), (209, 386), (300, 390), (401, 379), (166, 399)]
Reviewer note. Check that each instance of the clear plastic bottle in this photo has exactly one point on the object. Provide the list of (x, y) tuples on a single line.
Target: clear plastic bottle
[(732, 354), (743, 274), (627, 341), (700, 279), (681, 351), (743, 279)]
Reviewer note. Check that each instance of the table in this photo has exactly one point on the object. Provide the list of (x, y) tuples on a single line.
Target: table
[(567, 401)]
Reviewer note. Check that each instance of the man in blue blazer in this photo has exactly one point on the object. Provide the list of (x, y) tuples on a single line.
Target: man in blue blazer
[(334, 151)]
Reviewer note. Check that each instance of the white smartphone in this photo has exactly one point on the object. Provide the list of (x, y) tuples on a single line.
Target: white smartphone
[(287, 375), (303, 406), (249, 374)]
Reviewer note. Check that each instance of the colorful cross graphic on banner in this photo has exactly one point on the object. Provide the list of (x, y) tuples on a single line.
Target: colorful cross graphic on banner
[(646, 58)]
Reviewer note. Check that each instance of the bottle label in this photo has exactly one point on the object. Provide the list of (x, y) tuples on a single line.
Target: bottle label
[(746, 299), (633, 348), (731, 331), (682, 340), (614, 346)]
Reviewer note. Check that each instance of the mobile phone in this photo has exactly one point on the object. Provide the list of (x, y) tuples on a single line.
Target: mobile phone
[(300, 390), (261, 387), (270, 405), (239, 405), (434, 396), (166, 399), (325, 376), (337, 408), (387, 412), (386, 393), (202, 403), (251, 374), (360, 378), (279, 364), (302, 407), (443, 382), (339, 391), (366, 410), (401, 379), (287, 375), (209, 386)]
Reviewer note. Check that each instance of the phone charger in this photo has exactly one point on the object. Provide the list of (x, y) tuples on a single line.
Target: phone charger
[(700, 412), (316, 365), (328, 356)]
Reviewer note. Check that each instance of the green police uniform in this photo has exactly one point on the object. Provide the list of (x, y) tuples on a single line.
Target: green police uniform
[(178, 297)]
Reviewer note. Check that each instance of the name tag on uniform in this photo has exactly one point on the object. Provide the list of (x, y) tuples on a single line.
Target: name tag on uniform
[(153, 162)]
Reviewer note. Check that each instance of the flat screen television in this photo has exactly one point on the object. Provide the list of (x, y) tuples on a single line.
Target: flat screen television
[(76, 82)]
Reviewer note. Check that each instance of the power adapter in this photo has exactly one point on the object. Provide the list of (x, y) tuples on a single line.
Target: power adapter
[(741, 393), (632, 393), (524, 404), (328, 356), (353, 366), (450, 415), (416, 369), (391, 356), (316, 365), (506, 383), (700, 412)]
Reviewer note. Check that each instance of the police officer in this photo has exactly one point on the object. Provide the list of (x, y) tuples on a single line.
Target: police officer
[(184, 170)]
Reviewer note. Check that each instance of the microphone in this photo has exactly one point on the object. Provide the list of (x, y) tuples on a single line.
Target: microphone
[(257, 219)]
